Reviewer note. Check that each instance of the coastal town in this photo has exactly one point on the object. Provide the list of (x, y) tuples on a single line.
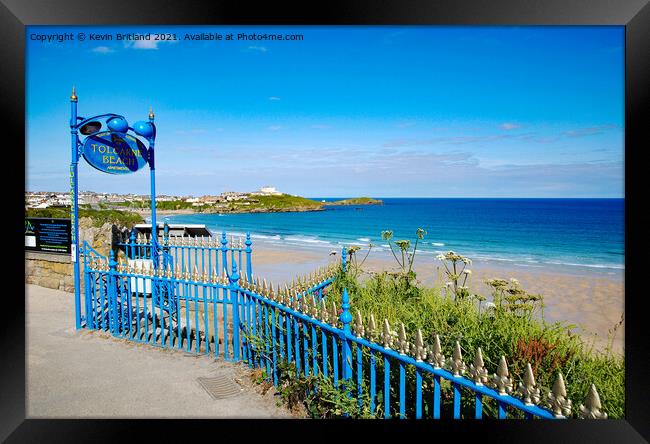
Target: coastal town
[(46, 199), (266, 199)]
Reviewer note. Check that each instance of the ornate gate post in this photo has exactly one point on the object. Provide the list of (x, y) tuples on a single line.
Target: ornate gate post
[(234, 299), (346, 351), (112, 293), (74, 213), (249, 266)]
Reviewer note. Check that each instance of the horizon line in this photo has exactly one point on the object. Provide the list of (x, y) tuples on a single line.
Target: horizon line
[(356, 196)]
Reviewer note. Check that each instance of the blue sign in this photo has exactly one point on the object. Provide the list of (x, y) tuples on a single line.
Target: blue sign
[(114, 152)]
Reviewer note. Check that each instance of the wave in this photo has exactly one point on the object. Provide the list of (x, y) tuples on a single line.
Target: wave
[(308, 240), (541, 264), (614, 266), (263, 236), (364, 239), (437, 244)]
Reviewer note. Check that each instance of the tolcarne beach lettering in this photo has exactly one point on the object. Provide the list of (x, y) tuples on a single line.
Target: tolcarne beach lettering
[(114, 153)]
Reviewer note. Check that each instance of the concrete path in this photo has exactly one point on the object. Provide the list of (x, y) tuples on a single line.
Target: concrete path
[(88, 374)]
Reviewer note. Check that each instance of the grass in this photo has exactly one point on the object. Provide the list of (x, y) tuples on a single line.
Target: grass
[(357, 201), (521, 339), (99, 217), (281, 202), (160, 205), (549, 348)]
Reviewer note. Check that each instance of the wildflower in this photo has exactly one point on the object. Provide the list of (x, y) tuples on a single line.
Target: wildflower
[(448, 284), (440, 257), (514, 281), (403, 244), (467, 271)]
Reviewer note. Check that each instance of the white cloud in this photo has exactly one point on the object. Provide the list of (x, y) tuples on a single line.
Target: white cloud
[(274, 127), (146, 44), (274, 98), (580, 132), (102, 50), (509, 126), (258, 48)]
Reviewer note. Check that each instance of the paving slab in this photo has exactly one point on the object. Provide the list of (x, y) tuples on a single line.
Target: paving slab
[(90, 374)]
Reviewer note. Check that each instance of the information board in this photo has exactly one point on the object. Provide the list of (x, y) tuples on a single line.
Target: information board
[(47, 235)]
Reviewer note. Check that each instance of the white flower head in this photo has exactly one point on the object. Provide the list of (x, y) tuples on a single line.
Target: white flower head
[(440, 257), (514, 281), (448, 284), (467, 271)]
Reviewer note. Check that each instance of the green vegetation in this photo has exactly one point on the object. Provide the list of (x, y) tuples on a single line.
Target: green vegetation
[(163, 205), (99, 217), (357, 201), (504, 326), (281, 202)]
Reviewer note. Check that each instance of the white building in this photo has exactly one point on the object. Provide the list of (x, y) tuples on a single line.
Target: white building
[(267, 191)]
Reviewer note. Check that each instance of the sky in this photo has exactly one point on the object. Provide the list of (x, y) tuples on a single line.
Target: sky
[(381, 111)]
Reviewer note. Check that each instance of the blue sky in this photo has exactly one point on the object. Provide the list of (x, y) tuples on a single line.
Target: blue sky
[(347, 111)]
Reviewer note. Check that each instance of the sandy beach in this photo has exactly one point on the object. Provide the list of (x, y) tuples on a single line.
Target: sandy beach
[(592, 301)]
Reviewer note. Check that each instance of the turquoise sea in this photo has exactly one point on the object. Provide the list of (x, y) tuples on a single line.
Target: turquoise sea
[(538, 233)]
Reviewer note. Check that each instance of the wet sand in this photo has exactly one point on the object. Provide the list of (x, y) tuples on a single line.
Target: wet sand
[(593, 301)]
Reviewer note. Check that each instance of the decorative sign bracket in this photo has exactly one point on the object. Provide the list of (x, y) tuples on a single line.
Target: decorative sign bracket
[(109, 145)]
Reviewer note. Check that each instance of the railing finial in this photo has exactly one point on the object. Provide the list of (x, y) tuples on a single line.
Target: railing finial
[(358, 325), (501, 380), (557, 399), (527, 389), (592, 409), (436, 358), (477, 369), (372, 328), (419, 349), (456, 361)]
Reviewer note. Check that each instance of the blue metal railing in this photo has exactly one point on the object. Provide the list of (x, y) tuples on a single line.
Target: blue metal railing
[(208, 255), (314, 346), (239, 319)]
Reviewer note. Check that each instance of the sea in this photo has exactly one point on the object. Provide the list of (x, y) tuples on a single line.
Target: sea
[(567, 234)]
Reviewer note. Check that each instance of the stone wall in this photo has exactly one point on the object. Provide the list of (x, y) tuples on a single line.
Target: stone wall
[(56, 270), (49, 270)]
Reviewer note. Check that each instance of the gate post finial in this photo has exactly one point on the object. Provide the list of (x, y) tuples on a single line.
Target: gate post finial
[(234, 298), (249, 266), (111, 262)]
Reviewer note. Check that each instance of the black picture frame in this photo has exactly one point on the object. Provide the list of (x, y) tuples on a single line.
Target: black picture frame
[(633, 14)]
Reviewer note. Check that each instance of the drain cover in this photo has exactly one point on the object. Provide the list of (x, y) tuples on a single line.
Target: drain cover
[(220, 387)]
